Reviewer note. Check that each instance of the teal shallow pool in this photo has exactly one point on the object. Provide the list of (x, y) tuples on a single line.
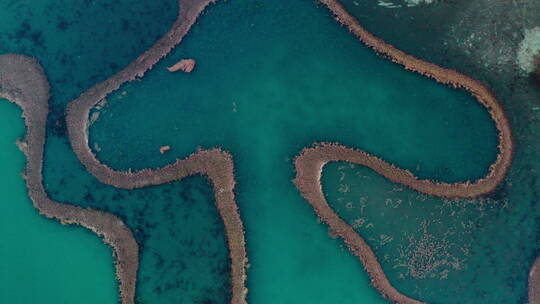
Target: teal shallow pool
[(40, 260)]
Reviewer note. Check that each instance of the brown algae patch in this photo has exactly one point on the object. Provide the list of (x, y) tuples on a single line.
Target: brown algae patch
[(215, 164), (23, 82)]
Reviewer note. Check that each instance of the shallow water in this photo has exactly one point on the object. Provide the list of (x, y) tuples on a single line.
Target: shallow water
[(42, 261), (437, 250), (264, 91), (272, 78), (184, 257)]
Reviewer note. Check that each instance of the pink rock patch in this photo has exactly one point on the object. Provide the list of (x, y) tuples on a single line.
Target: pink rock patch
[(186, 65)]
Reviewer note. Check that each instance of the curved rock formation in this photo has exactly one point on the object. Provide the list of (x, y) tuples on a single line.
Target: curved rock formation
[(186, 65), (215, 164), (309, 164), (23, 82)]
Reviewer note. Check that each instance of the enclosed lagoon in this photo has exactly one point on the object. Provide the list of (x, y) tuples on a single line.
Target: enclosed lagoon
[(437, 250)]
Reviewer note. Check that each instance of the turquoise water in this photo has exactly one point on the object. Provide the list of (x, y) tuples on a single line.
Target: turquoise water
[(41, 260), (264, 91), (82, 42), (437, 249), (62, 35), (507, 240), (311, 81), (272, 77), (184, 257)]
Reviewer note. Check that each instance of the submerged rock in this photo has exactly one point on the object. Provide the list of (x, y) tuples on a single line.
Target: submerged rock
[(164, 149), (186, 65)]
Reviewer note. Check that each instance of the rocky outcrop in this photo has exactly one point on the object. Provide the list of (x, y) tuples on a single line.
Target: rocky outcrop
[(164, 149), (186, 65)]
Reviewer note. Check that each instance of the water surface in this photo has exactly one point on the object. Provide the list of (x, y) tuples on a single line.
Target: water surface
[(286, 75), (42, 261), (272, 77)]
